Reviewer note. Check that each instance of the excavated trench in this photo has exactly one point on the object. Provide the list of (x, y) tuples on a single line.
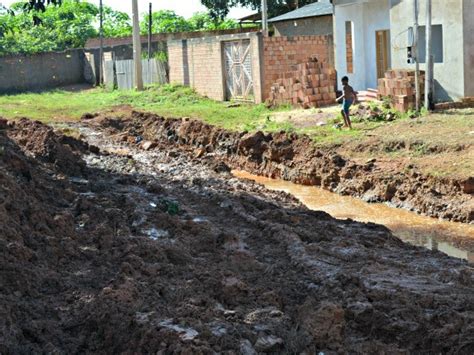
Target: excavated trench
[(295, 167), (294, 158), (124, 244)]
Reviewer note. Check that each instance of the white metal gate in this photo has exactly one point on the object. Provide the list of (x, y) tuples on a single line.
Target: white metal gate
[(238, 70), (154, 72)]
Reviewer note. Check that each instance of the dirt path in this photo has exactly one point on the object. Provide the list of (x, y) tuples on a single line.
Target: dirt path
[(125, 250)]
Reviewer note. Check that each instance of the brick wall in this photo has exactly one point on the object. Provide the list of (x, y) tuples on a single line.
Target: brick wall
[(176, 50), (198, 63), (349, 53), (281, 54), (162, 37)]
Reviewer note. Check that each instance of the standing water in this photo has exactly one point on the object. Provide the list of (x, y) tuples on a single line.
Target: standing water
[(454, 239)]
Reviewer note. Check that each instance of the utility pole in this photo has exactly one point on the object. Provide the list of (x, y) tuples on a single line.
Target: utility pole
[(101, 45), (415, 54), (265, 17), (150, 24), (429, 59), (137, 47)]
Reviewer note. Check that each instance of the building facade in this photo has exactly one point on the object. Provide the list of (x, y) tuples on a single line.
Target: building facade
[(372, 36), (453, 43), (362, 40)]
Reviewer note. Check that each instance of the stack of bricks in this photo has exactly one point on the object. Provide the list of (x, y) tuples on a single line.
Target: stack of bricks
[(310, 84), (399, 86)]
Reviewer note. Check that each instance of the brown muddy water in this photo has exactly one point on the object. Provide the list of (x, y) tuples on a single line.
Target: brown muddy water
[(454, 239)]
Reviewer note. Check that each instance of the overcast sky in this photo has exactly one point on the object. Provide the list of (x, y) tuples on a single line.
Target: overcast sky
[(184, 8)]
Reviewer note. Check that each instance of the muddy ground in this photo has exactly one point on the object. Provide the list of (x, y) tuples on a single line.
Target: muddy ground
[(295, 158), (107, 247)]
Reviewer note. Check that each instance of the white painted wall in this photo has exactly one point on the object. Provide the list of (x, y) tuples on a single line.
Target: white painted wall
[(468, 48), (352, 13), (368, 17), (449, 75), (376, 18)]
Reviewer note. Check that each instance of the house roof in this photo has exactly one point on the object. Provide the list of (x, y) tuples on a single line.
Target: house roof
[(252, 18), (321, 8)]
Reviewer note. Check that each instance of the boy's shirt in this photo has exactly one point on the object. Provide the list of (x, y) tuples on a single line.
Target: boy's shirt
[(349, 93)]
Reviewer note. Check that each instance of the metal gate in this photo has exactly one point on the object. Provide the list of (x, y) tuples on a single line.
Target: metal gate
[(238, 70), (154, 72), (125, 74)]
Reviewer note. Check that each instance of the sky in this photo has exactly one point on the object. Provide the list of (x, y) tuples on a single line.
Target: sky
[(184, 8)]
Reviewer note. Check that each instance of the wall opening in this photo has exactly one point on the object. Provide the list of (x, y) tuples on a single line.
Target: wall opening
[(350, 47), (382, 46), (437, 47)]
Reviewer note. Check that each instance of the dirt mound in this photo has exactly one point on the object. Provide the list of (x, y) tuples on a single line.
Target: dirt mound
[(157, 252), (295, 158), (41, 142)]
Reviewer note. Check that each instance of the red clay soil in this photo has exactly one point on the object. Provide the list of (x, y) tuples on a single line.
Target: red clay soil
[(294, 158), (159, 252)]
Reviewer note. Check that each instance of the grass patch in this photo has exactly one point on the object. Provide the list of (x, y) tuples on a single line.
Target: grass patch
[(166, 100)]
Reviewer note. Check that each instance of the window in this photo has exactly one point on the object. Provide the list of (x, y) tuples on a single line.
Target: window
[(437, 46), (349, 47)]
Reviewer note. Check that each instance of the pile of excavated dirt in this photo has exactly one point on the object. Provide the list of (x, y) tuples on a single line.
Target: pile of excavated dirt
[(294, 158), (126, 250)]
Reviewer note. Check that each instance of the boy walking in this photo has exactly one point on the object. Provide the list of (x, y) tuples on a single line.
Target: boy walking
[(349, 96)]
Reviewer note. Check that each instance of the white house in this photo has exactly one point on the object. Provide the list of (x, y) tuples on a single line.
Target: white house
[(372, 36), (362, 40)]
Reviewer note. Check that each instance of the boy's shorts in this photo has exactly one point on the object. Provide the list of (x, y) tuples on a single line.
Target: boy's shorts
[(346, 105)]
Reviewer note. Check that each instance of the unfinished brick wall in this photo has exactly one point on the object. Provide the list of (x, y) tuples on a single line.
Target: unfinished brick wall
[(349, 53), (281, 54), (163, 37), (176, 62), (198, 63)]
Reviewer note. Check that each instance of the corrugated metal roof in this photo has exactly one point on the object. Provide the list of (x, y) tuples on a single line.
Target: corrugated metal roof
[(312, 10)]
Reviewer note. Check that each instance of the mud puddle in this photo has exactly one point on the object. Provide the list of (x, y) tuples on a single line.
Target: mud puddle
[(453, 239)]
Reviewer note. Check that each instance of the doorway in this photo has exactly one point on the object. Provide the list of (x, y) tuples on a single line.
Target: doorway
[(382, 41)]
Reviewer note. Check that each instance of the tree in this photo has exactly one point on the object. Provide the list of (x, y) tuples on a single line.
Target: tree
[(220, 8), (71, 24), (58, 28), (116, 23), (165, 21), (36, 6), (203, 21)]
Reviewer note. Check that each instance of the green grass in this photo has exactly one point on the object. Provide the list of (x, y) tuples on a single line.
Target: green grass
[(54, 106), (166, 100)]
